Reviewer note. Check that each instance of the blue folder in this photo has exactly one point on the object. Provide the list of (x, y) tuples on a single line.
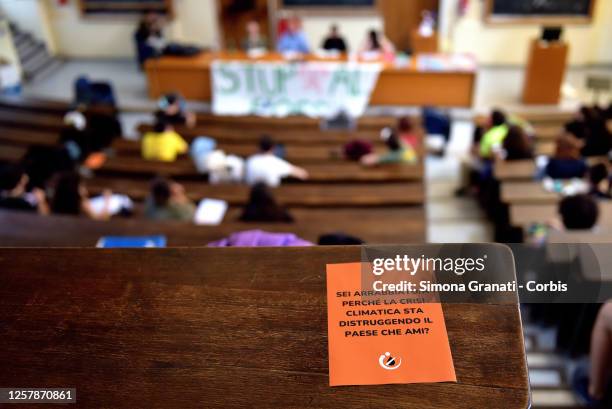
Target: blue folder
[(110, 242)]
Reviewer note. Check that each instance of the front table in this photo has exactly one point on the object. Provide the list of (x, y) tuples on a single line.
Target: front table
[(409, 85)]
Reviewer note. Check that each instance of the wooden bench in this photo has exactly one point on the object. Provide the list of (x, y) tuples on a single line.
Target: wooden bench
[(318, 172), (527, 193), (230, 134), (291, 122), (525, 214), (238, 327), (31, 120), (515, 169), (30, 104), (374, 225), (383, 194)]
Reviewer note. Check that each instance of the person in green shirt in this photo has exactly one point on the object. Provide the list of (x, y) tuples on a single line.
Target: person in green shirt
[(397, 152), (494, 137), (168, 201)]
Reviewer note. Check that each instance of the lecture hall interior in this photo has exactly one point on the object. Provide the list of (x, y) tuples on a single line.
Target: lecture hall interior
[(306, 203)]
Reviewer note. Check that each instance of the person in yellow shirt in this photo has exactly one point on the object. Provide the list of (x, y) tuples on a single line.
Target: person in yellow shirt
[(163, 143)]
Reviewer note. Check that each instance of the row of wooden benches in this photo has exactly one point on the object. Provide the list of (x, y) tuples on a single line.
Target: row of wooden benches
[(527, 199), (382, 204), (374, 225)]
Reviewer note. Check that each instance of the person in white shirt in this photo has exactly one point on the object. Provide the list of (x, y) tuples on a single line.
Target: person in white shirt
[(265, 167)]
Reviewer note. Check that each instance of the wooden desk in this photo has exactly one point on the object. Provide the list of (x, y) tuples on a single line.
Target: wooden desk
[(396, 86), (237, 327), (544, 72)]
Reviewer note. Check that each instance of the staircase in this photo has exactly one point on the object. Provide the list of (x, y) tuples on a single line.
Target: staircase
[(33, 55), (549, 372)]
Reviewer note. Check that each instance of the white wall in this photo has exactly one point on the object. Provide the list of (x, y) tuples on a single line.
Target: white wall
[(504, 44), (26, 14), (196, 22), (7, 49), (112, 37)]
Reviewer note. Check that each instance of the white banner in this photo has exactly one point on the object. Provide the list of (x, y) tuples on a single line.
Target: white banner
[(316, 89)]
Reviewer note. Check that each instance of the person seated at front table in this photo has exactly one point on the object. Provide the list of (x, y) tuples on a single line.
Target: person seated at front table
[(163, 143), (13, 195), (334, 41), (397, 151), (254, 40), (599, 179), (262, 207), (268, 168), (168, 201), (294, 39), (376, 43), (567, 162), (70, 197), (173, 107)]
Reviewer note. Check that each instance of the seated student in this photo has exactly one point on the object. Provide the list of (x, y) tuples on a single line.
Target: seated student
[(13, 195), (578, 125), (149, 37), (268, 168), (578, 212), (174, 109), (567, 162), (102, 127), (334, 41), (168, 201), (163, 143), (262, 207), (70, 197), (339, 239), (599, 178), (294, 39), (407, 132), (254, 40), (493, 138), (598, 141), (42, 162), (516, 145), (376, 43), (74, 135), (260, 238), (397, 151)]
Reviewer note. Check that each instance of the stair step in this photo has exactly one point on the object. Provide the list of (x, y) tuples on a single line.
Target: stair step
[(19, 38), (546, 379), (32, 53), (560, 399), (542, 360), (49, 66)]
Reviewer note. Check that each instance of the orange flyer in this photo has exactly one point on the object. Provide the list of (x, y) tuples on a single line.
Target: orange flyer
[(384, 341)]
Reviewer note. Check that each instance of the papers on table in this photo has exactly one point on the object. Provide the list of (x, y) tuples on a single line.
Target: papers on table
[(210, 212), (115, 204)]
